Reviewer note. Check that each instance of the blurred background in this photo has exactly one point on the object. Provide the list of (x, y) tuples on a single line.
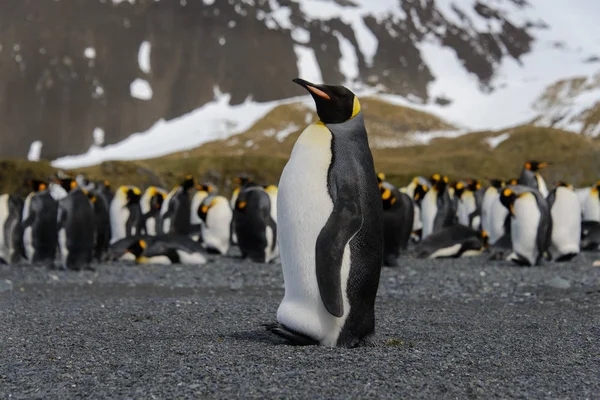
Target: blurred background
[(146, 91)]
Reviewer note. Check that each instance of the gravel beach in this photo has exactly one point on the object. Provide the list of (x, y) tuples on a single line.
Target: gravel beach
[(466, 328)]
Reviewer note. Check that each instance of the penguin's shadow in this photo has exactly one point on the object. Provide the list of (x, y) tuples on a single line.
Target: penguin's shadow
[(257, 336)]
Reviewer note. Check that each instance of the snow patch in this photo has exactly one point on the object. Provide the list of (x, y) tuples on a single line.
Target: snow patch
[(348, 63), (282, 134), (216, 120), (98, 135), (35, 151), (493, 142), (141, 89), (144, 56), (300, 35), (308, 67), (90, 53), (413, 138)]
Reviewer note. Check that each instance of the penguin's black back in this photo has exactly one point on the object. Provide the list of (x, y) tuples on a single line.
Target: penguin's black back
[(80, 227), (13, 234), (102, 221), (180, 209), (352, 183), (43, 228), (397, 226), (450, 236), (446, 211), (251, 222)]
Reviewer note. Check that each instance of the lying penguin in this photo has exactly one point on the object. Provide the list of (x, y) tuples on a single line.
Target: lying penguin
[(453, 242), (590, 235), (166, 249)]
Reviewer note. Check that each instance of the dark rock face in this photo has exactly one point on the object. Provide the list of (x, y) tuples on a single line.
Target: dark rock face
[(52, 92)]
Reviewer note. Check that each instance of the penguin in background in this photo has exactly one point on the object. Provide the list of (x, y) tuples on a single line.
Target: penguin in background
[(125, 213), (39, 223), (103, 189), (418, 195), (437, 208), (466, 205), (453, 242), (176, 209), (255, 228), (565, 211), (590, 235), (102, 223), (331, 227), (530, 176), (167, 250), (493, 214), (530, 224), (202, 193), (11, 236), (398, 214), (591, 203), (76, 226), (242, 182), (216, 214), (150, 205)]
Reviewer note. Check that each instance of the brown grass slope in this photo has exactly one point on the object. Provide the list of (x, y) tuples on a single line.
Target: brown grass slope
[(258, 152)]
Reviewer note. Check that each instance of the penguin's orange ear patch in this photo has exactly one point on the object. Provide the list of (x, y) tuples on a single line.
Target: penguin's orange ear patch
[(318, 92)]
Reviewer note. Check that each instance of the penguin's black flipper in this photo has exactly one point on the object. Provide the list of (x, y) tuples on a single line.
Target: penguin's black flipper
[(295, 338), (344, 222)]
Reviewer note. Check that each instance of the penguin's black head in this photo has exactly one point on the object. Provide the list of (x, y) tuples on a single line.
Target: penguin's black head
[(137, 248), (243, 180), (335, 104), (563, 184), (205, 187), (37, 185), (497, 183), (156, 201), (387, 197), (188, 183), (473, 185), (441, 182), (420, 191), (484, 239), (535, 166), (507, 198), (513, 181), (459, 189), (133, 195), (66, 183)]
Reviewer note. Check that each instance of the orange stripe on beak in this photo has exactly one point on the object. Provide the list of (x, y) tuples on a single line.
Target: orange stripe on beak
[(318, 92)]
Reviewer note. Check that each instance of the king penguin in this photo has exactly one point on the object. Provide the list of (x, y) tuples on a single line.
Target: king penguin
[(150, 205), (398, 214), (591, 203), (437, 208), (530, 224), (198, 199), (566, 222), (125, 213), (494, 215), (76, 226), (216, 214), (11, 238), (176, 209), (530, 176), (39, 225), (331, 227)]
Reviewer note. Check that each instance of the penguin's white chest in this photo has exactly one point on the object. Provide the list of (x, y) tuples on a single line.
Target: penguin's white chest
[(496, 218), (303, 208), (28, 232), (3, 217), (566, 222), (429, 211), (524, 227), (119, 214), (216, 231), (466, 207), (591, 206)]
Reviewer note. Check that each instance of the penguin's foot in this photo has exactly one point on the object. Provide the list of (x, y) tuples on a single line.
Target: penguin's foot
[(566, 257), (294, 338)]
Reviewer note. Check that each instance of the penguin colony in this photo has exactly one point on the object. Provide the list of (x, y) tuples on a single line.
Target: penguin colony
[(332, 221), (68, 223)]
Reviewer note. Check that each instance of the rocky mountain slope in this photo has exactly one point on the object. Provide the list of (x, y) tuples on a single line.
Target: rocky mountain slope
[(74, 73)]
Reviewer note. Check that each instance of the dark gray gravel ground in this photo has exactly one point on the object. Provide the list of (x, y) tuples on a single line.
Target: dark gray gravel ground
[(445, 329)]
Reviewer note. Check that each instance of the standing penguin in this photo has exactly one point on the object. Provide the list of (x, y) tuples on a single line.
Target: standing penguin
[(125, 213), (437, 208), (76, 226), (530, 224), (591, 203), (11, 237), (398, 214), (243, 182), (39, 225), (418, 195), (493, 214), (176, 209), (331, 227), (566, 222), (255, 228), (216, 215), (150, 205), (531, 177)]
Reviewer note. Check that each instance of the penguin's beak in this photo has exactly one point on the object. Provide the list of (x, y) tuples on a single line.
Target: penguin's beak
[(316, 90)]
